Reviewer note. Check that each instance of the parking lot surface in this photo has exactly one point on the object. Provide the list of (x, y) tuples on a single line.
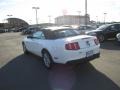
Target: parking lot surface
[(26, 72)]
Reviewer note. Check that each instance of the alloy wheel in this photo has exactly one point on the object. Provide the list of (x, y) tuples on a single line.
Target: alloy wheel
[(47, 60)]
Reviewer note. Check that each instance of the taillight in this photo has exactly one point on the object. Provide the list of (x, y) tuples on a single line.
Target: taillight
[(72, 46), (96, 41)]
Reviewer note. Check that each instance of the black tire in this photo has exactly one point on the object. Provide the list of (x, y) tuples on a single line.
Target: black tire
[(47, 59), (25, 49), (116, 39), (101, 38)]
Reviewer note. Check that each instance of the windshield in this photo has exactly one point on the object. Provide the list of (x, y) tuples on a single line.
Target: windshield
[(66, 33), (103, 27)]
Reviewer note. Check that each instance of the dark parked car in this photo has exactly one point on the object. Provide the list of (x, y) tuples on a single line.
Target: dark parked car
[(29, 30), (20, 29), (105, 32), (2, 30)]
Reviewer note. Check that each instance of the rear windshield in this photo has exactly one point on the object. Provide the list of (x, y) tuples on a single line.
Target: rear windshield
[(66, 33)]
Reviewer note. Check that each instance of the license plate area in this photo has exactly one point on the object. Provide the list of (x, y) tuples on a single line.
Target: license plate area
[(89, 53)]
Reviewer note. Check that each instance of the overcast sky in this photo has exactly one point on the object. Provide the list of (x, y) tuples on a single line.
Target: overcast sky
[(23, 9)]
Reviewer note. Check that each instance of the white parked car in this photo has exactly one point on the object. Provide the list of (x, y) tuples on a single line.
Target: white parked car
[(61, 45)]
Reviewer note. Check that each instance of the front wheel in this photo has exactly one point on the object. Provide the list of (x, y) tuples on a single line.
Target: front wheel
[(47, 60), (25, 49)]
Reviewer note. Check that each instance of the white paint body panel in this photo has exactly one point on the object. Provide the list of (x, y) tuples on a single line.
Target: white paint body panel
[(57, 50)]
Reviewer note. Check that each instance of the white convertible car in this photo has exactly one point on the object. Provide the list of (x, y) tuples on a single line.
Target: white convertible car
[(61, 45)]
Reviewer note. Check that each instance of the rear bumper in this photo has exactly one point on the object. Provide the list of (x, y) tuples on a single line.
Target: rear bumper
[(79, 55), (86, 59)]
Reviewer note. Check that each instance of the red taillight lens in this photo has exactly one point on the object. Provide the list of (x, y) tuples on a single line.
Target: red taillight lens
[(96, 41), (72, 46)]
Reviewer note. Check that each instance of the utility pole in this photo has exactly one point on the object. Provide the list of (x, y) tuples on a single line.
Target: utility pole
[(36, 8), (86, 12)]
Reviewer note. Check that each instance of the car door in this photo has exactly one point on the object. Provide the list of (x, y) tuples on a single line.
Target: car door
[(36, 42), (110, 31), (117, 26)]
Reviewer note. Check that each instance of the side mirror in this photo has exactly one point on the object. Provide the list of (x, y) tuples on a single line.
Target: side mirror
[(113, 28)]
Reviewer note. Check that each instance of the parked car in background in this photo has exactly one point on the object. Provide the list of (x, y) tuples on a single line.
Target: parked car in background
[(82, 29), (29, 30), (2, 30), (20, 29), (118, 38), (105, 32), (12, 29), (61, 45)]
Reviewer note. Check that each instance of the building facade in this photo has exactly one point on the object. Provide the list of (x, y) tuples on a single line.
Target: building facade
[(72, 20), (16, 23)]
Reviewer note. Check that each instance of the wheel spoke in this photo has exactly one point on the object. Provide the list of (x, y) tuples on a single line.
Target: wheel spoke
[(46, 60)]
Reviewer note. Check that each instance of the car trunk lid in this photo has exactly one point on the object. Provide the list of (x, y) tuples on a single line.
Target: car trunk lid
[(84, 41)]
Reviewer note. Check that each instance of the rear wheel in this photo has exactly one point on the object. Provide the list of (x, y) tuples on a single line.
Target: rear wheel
[(47, 60), (25, 49)]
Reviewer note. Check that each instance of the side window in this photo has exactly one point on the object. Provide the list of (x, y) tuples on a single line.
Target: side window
[(111, 28), (117, 26), (39, 35)]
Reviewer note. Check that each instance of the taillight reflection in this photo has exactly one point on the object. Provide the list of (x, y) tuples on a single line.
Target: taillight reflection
[(72, 46)]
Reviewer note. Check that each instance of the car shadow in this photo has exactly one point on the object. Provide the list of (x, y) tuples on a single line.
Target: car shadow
[(26, 72), (88, 78), (110, 45)]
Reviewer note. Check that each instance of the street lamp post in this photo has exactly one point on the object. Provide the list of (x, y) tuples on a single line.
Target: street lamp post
[(105, 17), (9, 15), (49, 18), (9, 22), (36, 8), (97, 21)]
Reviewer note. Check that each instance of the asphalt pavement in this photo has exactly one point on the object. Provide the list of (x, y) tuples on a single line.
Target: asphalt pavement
[(27, 72)]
